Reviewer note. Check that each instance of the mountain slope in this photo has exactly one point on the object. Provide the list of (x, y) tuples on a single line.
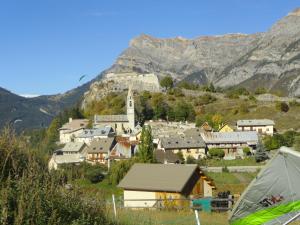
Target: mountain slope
[(26, 113), (270, 59)]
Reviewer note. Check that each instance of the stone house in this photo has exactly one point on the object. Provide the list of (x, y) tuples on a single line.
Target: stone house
[(188, 146), (231, 142), (99, 150)]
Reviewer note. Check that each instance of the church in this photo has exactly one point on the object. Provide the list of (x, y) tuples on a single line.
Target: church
[(120, 123)]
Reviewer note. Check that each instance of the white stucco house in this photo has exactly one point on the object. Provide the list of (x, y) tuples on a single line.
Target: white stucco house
[(72, 129), (261, 126)]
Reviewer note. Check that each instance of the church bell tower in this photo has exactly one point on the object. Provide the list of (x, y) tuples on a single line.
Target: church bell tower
[(130, 109)]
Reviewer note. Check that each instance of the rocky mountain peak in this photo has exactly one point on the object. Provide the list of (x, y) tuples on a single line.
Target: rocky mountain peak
[(295, 12)]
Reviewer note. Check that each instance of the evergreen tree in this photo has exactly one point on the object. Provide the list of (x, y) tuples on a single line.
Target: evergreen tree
[(146, 147), (260, 154)]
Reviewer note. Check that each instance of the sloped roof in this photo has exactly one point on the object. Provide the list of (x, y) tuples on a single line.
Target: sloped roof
[(101, 145), (194, 132), (71, 158), (159, 177), (262, 122), (73, 147), (230, 137), (75, 124), (182, 142), (111, 118), (162, 156), (89, 133)]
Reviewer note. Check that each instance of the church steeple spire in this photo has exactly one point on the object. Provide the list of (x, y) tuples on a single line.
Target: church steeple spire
[(130, 109)]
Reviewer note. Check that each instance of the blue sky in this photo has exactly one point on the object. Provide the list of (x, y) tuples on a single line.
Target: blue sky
[(46, 45)]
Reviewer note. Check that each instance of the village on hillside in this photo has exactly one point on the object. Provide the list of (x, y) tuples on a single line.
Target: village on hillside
[(177, 148)]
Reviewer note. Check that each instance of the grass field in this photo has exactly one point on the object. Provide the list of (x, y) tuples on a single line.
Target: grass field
[(152, 217), (237, 162), (257, 110), (236, 183)]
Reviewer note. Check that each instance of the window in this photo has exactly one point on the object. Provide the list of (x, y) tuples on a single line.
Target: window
[(130, 104)]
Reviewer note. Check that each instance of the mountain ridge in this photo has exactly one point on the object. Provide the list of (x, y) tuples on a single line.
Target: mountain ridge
[(268, 59), (226, 60)]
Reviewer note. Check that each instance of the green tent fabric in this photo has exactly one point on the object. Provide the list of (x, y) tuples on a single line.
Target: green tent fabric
[(273, 197)]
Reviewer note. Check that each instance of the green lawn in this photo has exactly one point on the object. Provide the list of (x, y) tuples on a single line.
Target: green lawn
[(237, 162), (103, 188), (236, 183), (257, 110)]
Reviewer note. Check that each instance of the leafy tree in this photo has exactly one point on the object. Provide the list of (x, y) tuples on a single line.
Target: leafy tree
[(297, 143), (216, 153), (246, 151), (160, 107), (282, 106), (205, 99), (95, 175), (167, 82), (216, 120), (184, 111), (119, 170), (145, 152), (191, 160), (260, 154), (180, 156)]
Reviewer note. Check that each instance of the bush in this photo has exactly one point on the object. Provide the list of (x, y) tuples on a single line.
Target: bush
[(119, 170), (236, 92), (282, 106), (243, 108), (205, 99), (294, 103), (297, 143), (191, 160), (95, 175), (260, 90), (31, 195), (246, 151), (216, 153)]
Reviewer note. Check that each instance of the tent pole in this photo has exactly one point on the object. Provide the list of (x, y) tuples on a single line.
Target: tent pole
[(292, 219)]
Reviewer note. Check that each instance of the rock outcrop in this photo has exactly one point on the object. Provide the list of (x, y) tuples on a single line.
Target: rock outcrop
[(270, 59)]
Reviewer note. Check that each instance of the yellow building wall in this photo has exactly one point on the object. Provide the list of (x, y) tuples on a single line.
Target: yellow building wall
[(226, 128)]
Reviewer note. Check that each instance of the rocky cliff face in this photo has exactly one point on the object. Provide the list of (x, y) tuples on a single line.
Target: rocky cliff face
[(270, 59)]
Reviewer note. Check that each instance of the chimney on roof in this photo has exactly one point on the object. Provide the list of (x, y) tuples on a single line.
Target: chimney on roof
[(70, 119)]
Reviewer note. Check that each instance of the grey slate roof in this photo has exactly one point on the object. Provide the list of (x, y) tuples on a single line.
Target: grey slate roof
[(101, 145), (262, 122), (75, 124), (71, 158), (73, 147), (110, 118), (231, 137), (166, 156), (158, 177), (194, 132), (89, 133), (180, 142)]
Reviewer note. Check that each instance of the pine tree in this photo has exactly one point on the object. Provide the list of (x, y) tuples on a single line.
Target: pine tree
[(146, 147), (260, 154)]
